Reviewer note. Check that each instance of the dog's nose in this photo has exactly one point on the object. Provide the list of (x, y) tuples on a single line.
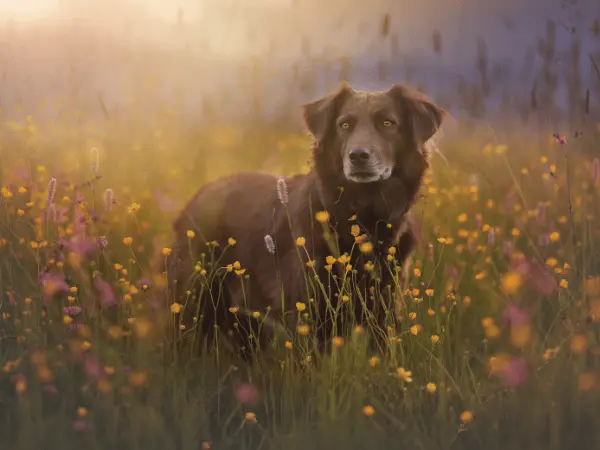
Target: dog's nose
[(359, 156)]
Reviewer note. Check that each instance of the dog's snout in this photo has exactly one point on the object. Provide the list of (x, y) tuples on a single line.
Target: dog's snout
[(359, 156)]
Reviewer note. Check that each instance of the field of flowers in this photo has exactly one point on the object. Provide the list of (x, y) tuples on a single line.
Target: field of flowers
[(497, 346)]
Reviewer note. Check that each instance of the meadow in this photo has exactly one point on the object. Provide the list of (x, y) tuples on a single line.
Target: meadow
[(497, 343)]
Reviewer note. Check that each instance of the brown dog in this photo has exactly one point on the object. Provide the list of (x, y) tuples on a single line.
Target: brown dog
[(369, 162)]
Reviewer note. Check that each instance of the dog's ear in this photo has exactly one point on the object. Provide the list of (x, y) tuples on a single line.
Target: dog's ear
[(320, 114), (426, 117)]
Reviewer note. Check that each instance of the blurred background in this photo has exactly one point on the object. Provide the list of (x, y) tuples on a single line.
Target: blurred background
[(513, 62)]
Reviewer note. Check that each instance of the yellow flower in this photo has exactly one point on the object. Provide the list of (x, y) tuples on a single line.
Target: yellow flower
[(337, 341), (190, 234), (175, 308), (300, 306), (435, 339), (368, 410), (374, 361), (466, 416), (330, 260), (354, 230), (564, 284), (231, 242), (416, 329), (234, 309), (462, 218), (300, 242), (322, 217), (512, 282), (127, 240), (250, 417), (404, 375), (288, 345), (554, 236), (429, 292), (303, 329), (366, 247), (166, 251), (134, 207), (431, 388)]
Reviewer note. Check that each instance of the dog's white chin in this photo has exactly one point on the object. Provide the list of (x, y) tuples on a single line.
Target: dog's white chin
[(368, 178)]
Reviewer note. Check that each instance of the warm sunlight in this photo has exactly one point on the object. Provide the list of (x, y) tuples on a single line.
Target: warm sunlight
[(26, 9)]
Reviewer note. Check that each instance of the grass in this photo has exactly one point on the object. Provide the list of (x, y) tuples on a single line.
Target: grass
[(497, 345)]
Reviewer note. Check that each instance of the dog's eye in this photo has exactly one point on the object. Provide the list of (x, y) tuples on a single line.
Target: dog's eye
[(387, 123), (345, 125)]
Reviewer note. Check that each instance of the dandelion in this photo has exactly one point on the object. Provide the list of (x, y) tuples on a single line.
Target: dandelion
[(282, 190), (270, 244), (109, 199), (51, 191)]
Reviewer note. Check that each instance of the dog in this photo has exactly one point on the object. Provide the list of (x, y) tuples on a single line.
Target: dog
[(305, 249)]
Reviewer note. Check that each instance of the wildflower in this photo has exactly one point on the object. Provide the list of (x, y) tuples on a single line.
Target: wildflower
[(250, 417), (355, 230), (134, 207), (429, 292), (435, 339), (166, 251), (82, 412), (564, 284), (431, 388), (303, 329), (300, 306), (282, 190), (554, 236), (415, 329), (190, 234), (578, 343), (270, 244), (246, 393), (404, 375), (337, 341), (374, 361), (175, 308), (368, 410), (51, 191), (138, 378), (466, 417), (322, 216), (127, 240), (366, 247), (231, 242), (512, 282), (288, 344), (106, 293), (491, 237), (300, 242)]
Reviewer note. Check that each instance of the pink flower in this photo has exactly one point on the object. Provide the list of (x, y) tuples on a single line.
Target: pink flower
[(515, 372), (515, 316), (105, 292), (246, 393), (80, 425), (92, 368)]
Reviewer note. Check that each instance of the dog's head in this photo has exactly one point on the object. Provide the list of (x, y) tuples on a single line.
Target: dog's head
[(369, 134)]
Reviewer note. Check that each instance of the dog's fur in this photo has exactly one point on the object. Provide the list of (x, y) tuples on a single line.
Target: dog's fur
[(391, 128)]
